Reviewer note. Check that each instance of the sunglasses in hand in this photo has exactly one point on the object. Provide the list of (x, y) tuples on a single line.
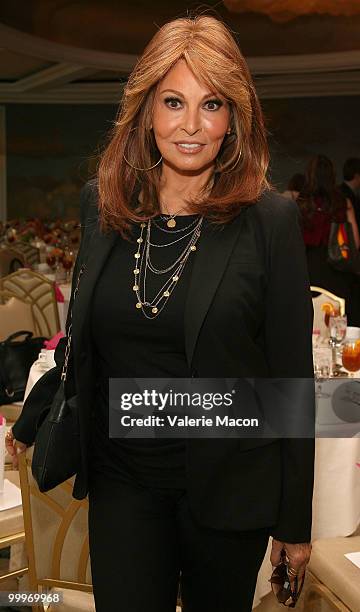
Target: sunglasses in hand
[(281, 585)]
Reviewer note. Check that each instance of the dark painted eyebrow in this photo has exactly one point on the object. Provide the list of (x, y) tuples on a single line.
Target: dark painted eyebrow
[(178, 93)]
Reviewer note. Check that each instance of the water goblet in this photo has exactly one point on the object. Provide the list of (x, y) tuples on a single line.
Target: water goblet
[(322, 369), (337, 326)]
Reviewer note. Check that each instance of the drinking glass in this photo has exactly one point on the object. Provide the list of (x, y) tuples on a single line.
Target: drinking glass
[(337, 326), (351, 356), (51, 260), (68, 262), (329, 310), (322, 369)]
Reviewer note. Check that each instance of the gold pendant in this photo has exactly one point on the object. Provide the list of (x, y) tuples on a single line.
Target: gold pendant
[(171, 223)]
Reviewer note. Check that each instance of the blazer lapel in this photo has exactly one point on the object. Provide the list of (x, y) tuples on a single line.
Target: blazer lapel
[(214, 248), (100, 247)]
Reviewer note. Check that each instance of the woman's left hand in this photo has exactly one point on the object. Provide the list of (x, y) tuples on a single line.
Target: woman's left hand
[(298, 555)]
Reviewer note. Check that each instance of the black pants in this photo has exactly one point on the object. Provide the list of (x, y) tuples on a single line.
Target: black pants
[(142, 538)]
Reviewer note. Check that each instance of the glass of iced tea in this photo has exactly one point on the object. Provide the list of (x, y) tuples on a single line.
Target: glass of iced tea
[(329, 310), (68, 262), (351, 356)]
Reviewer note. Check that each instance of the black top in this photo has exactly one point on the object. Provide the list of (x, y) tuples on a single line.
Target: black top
[(127, 344)]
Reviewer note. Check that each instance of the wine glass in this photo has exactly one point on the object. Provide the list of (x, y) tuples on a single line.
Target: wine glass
[(351, 356), (68, 262), (51, 259), (11, 235), (337, 330), (337, 326), (322, 369)]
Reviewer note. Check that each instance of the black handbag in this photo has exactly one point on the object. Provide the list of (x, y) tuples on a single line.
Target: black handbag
[(342, 252), (16, 359), (56, 455)]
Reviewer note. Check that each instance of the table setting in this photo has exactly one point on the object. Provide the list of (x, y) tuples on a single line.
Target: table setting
[(56, 243), (336, 356)]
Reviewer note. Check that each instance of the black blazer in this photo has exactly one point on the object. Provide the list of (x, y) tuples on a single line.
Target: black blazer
[(248, 314)]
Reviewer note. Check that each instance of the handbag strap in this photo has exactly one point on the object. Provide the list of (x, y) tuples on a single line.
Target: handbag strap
[(69, 334), (9, 339)]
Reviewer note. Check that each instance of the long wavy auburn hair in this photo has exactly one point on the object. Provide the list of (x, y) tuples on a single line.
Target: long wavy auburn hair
[(213, 55)]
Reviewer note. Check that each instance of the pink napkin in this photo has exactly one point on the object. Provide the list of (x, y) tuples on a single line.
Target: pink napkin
[(51, 344), (58, 294)]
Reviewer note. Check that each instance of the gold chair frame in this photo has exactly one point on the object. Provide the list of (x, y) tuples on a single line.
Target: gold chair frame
[(67, 515), (7, 541), (11, 285), (334, 297), (5, 296), (29, 253), (8, 255)]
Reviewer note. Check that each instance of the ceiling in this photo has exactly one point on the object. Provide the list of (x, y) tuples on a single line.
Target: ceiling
[(285, 10), (81, 51)]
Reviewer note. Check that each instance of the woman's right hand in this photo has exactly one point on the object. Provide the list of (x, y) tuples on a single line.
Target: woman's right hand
[(14, 448)]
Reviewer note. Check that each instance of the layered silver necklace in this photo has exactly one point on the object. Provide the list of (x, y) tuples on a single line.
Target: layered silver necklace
[(152, 308)]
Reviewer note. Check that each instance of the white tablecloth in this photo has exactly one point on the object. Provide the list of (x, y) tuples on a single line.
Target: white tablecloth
[(36, 372), (336, 502), (63, 307)]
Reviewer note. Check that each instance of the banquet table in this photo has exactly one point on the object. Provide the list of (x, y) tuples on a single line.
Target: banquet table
[(336, 500)]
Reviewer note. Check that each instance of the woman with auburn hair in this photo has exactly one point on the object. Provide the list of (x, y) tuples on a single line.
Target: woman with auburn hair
[(185, 253)]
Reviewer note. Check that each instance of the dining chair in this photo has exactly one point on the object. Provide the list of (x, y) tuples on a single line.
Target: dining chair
[(10, 260), (57, 545), (12, 529), (322, 296), (333, 578), (31, 254), (15, 315), (39, 292)]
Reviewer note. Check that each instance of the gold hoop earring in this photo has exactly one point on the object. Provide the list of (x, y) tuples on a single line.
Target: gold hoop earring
[(142, 169)]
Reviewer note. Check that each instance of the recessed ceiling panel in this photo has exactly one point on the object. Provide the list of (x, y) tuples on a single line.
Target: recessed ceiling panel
[(14, 66)]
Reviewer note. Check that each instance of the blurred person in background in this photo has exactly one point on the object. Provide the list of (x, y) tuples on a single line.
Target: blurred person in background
[(350, 186), (295, 186), (321, 202)]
